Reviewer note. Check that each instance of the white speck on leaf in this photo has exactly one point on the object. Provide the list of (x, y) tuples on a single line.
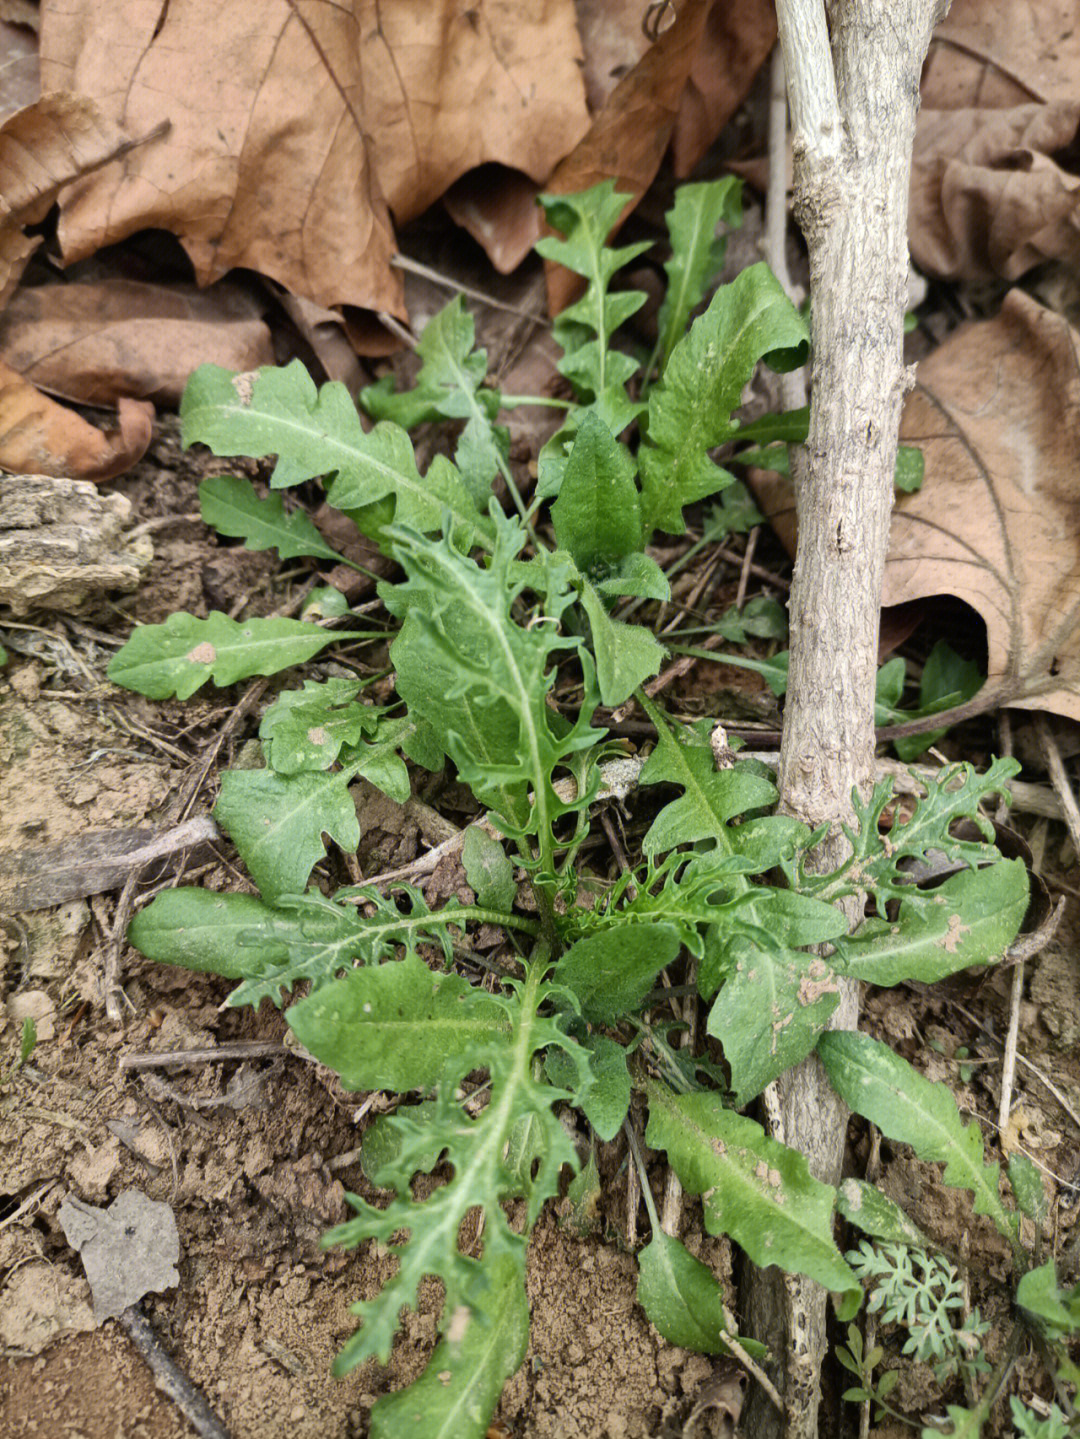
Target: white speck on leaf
[(244, 385)]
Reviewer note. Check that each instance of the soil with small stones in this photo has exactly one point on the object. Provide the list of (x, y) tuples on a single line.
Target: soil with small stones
[(255, 1156)]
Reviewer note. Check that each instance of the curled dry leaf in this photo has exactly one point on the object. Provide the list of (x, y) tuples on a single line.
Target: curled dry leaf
[(498, 208), (734, 45), (94, 343), (987, 198), (297, 132), (991, 193), (43, 148), (40, 437), (996, 412)]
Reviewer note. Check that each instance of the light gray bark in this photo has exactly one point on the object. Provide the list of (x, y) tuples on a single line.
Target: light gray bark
[(853, 84)]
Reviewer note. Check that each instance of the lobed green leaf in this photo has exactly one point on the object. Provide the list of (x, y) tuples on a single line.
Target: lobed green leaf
[(697, 253), (970, 919), (865, 1206), (597, 516), (457, 1393), (681, 1296), (277, 823), (450, 385), (711, 798), (317, 432), (232, 507), (690, 411), (397, 1025), (613, 970), (770, 1011), (488, 870)]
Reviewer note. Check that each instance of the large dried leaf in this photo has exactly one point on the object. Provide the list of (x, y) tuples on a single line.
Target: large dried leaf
[(42, 148), (736, 41), (274, 163), (987, 198), (989, 194), (448, 87), (994, 55), (94, 343), (19, 82), (40, 437), (996, 411), (266, 164)]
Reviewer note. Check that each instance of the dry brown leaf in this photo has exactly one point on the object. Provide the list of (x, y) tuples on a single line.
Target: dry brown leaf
[(266, 164), (735, 43), (990, 55), (325, 332), (987, 198), (996, 413), (614, 41), (20, 84), (991, 192), (38, 436), (20, 12), (498, 208), (94, 343), (274, 163), (449, 86), (42, 148)]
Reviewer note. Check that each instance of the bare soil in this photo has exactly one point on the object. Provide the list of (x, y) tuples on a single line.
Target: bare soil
[(255, 1157)]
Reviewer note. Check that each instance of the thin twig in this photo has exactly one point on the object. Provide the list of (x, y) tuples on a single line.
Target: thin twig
[(414, 267), (635, 1185), (751, 1366), (1059, 779), (170, 1379), (748, 560), (1008, 1067), (209, 1054), (29, 1203), (1005, 747), (758, 571), (1035, 1070), (397, 328)]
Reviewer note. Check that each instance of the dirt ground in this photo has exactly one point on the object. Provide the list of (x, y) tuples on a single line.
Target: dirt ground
[(254, 1157)]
